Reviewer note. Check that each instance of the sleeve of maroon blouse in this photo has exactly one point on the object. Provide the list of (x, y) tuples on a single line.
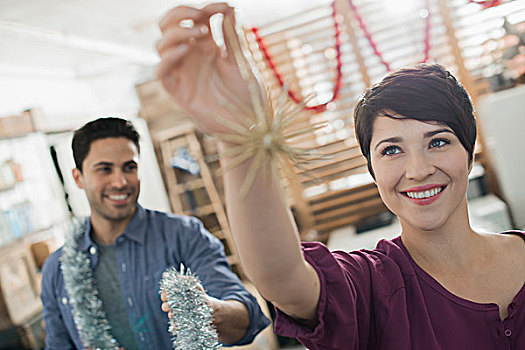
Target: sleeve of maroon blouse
[(343, 314)]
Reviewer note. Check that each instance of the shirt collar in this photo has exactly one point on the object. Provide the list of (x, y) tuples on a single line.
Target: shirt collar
[(86, 241), (136, 229)]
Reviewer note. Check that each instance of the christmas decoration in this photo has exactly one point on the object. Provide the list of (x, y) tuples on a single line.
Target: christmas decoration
[(486, 3), (264, 131), (280, 79), (192, 321), (87, 308), (368, 36)]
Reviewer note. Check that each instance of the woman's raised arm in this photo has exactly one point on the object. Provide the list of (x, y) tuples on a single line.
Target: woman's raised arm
[(262, 225)]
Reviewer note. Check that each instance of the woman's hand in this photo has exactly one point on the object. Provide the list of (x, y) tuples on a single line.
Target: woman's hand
[(192, 66)]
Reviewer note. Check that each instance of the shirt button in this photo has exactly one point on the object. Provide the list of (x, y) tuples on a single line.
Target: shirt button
[(508, 332), (64, 300), (93, 250), (130, 302), (123, 267)]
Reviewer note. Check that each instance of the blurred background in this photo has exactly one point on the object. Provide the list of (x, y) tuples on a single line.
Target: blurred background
[(66, 62)]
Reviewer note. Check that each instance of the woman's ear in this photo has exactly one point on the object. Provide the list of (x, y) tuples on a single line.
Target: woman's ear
[(370, 170), (471, 163)]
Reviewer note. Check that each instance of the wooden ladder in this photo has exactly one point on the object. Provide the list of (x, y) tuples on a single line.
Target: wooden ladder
[(195, 195)]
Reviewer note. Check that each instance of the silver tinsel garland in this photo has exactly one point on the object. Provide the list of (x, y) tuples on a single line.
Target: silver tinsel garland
[(87, 308), (192, 321)]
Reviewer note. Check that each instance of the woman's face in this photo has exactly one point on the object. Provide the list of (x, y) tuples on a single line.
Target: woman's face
[(421, 170)]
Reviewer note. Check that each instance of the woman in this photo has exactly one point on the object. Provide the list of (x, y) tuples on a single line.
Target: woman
[(440, 285)]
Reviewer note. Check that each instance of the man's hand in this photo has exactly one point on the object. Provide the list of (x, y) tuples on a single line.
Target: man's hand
[(192, 65), (229, 316)]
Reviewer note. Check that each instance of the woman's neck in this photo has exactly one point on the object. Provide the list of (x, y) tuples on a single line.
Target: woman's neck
[(453, 244)]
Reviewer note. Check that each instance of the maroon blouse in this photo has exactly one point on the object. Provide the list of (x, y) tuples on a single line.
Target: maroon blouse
[(381, 299)]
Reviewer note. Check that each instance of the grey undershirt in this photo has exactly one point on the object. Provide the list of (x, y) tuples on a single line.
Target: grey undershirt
[(108, 285)]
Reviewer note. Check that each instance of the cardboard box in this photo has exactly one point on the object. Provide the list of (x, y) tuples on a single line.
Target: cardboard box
[(19, 296), (15, 126), (41, 250)]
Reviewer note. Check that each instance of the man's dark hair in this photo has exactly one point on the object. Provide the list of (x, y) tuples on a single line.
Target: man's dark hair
[(426, 92), (100, 129)]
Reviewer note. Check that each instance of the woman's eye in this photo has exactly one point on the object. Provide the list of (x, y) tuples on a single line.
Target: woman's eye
[(438, 143), (390, 151)]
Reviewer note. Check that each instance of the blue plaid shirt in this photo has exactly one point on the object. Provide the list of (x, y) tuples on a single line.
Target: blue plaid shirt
[(151, 242)]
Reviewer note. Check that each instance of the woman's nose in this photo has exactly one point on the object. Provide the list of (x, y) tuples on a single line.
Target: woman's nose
[(419, 167)]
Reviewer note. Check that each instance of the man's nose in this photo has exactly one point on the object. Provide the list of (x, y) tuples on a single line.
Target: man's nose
[(118, 178)]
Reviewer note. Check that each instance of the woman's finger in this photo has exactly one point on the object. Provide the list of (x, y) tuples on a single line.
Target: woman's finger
[(170, 315), (182, 13), (163, 296), (170, 58), (179, 35), (177, 15), (229, 16), (212, 9)]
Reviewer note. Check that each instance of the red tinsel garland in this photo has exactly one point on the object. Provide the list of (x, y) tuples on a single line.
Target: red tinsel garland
[(486, 3), (337, 86), (374, 45), (271, 63)]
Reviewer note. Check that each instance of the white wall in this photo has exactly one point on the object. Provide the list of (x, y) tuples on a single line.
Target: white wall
[(502, 120), (67, 101)]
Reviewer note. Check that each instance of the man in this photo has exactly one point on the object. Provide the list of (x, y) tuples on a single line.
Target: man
[(129, 247)]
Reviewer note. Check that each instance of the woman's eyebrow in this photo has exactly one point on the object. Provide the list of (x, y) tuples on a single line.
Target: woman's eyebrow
[(391, 139), (438, 131)]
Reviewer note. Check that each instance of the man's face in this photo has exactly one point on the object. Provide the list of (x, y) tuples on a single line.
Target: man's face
[(110, 178)]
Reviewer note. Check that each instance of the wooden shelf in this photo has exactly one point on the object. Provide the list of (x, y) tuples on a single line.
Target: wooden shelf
[(201, 211), (190, 185), (197, 191)]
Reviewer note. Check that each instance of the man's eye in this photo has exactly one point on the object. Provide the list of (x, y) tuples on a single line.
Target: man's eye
[(390, 151), (129, 168), (438, 143), (104, 170)]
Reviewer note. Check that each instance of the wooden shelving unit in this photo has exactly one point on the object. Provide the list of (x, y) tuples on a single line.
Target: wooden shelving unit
[(195, 194)]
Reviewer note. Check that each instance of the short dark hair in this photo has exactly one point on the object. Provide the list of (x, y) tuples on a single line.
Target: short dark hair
[(426, 92), (100, 129)]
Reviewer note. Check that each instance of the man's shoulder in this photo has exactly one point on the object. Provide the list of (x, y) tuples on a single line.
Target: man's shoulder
[(172, 219), (51, 269), (53, 260), (163, 215), (187, 228)]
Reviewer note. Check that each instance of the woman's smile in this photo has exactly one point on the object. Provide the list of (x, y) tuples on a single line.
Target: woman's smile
[(424, 195), (421, 170)]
